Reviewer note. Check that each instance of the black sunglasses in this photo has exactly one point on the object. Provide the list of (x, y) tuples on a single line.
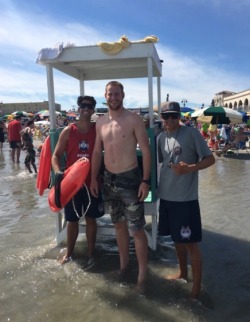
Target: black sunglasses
[(88, 106), (173, 116)]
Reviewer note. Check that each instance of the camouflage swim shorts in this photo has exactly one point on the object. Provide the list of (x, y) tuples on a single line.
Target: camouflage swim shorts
[(120, 195)]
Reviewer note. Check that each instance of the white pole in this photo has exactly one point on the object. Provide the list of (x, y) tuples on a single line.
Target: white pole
[(150, 91), (51, 97), (81, 83), (159, 95)]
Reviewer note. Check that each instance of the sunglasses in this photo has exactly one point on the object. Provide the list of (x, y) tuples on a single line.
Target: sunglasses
[(173, 116), (88, 106)]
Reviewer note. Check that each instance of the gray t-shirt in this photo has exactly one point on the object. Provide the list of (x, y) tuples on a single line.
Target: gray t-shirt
[(185, 144)]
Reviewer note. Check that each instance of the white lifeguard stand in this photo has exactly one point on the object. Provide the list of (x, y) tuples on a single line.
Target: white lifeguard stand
[(88, 63)]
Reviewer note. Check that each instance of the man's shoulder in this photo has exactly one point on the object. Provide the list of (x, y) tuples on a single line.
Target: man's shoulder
[(132, 117)]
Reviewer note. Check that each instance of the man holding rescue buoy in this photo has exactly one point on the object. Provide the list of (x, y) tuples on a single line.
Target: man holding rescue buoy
[(76, 141), (125, 189)]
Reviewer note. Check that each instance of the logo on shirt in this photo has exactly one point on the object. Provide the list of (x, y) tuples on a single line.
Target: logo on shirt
[(185, 232), (83, 149), (83, 145)]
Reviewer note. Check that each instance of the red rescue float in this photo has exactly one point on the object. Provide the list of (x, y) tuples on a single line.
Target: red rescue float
[(43, 176), (74, 178)]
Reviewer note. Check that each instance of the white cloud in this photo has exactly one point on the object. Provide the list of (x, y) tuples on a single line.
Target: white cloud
[(23, 34)]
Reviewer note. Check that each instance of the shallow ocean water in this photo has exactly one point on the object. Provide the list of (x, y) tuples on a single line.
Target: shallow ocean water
[(34, 287)]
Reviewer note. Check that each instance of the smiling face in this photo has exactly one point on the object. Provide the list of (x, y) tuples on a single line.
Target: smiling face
[(114, 96), (86, 109)]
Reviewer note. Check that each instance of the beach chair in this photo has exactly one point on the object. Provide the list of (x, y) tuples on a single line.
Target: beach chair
[(240, 146)]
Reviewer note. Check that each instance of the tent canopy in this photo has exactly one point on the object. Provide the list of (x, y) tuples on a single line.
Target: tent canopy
[(91, 63), (88, 63)]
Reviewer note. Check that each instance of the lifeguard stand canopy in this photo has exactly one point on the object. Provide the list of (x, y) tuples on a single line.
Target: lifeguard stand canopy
[(89, 63)]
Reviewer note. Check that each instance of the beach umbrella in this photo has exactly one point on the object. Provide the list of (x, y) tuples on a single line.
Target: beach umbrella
[(42, 123), (244, 116), (63, 114), (198, 112), (186, 109), (187, 114), (20, 113), (45, 113), (223, 115), (218, 115), (8, 117)]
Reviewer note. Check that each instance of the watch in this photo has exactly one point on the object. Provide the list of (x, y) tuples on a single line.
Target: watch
[(147, 181)]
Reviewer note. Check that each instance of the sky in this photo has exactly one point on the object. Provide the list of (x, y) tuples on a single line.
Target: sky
[(204, 45)]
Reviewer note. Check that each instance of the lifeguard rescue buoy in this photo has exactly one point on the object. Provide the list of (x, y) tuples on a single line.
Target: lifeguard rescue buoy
[(43, 176), (73, 180)]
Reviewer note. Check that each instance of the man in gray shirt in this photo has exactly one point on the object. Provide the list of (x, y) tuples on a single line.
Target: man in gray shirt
[(183, 152)]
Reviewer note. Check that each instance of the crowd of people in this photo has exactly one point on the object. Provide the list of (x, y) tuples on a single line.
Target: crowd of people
[(20, 132), (220, 137), (117, 181)]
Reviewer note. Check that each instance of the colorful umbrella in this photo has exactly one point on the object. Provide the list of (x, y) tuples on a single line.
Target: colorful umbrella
[(217, 115), (199, 112), (187, 114), (20, 113), (42, 123), (8, 117), (45, 113), (223, 115), (186, 109)]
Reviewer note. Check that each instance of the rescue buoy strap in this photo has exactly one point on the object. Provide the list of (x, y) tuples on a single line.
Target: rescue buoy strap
[(58, 179)]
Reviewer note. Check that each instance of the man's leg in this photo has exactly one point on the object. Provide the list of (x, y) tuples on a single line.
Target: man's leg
[(34, 167), (18, 152), (141, 248), (72, 234), (27, 164), (196, 265), (122, 238), (13, 154), (181, 252)]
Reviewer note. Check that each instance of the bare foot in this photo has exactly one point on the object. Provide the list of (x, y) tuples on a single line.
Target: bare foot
[(196, 291), (140, 289), (65, 259), (176, 276), (121, 275)]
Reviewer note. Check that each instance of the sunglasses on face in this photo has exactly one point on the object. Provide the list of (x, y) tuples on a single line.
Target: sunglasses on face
[(173, 116), (88, 106)]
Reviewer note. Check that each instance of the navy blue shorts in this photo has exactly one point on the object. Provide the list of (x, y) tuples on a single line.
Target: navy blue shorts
[(181, 220), (15, 144), (79, 204)]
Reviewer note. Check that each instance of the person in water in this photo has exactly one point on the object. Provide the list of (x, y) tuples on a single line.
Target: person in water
[(125, 189), (30, 159), (183, 152), (76, 141)]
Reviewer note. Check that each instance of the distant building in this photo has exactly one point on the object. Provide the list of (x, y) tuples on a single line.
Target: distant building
[(237, 101), (32, 107)]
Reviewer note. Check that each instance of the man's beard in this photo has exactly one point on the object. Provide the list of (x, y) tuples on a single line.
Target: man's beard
[(115, 107)]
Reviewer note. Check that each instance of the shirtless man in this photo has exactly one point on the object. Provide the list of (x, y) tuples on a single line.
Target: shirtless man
[(239, 137), (118, 133)]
